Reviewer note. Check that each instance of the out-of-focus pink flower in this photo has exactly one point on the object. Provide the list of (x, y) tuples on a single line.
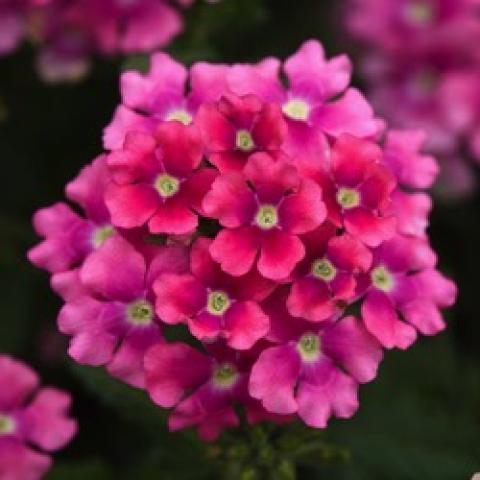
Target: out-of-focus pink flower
[(71, 31), (34, 422), (423, 68)]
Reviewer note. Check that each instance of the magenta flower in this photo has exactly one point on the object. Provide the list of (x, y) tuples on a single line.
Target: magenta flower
[(321, 366), (324, 282), (236, 127), (156, 180), (263, 211), (213, 303), (113, 323), (405, 293), (34, 422), (69, 238), (359, 190), (202, 388)]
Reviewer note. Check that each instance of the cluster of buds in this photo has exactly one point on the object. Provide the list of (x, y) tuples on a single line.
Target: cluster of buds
[(246, 241), (71, 31), (33, 422), (423, 66)]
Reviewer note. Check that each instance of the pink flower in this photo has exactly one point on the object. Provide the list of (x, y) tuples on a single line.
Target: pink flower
[(202, 388), (236, 127), (213, 303), (422, 67), (71, 32), (325, 280), (33, 422), (405, 293), (358, 192), (69, 238), (156, 180), (263, 211), (321, 367), (113, 323), (257, 218), (317, 102)]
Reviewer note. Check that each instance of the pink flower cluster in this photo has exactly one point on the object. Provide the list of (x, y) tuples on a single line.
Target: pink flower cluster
[(71, 31), (33, 422), (422, 63), (264, 220)]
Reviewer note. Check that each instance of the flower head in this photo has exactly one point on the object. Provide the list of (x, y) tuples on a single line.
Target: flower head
[(247, 219)]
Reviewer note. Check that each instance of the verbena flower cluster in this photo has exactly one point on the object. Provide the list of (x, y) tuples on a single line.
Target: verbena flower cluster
[(246, 241), (33, 422), (69, 32), (422, 64)]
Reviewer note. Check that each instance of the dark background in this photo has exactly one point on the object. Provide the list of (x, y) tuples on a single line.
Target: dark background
[(419, 420)]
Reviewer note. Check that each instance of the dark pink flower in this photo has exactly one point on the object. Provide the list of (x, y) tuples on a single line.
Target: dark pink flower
[(113, 323), (33, 422), (358, 189), (324, 282), (236, 127), (321, 366), (213, 303), (263, 211), (405, 293), (157, 180)]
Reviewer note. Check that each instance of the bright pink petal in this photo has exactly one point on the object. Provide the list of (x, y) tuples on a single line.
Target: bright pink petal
[(351, 158), (127, 362), (173, 369), (347, 253), (230, 201), (131, 206), (304, 210), (197, 186), (350, 114), (383, 323), (311, 299), (270, 129), (308, 64), (124, 121), (104, 274), (217, 131), (333, 394), (236, 250), (179, 297), (180, 148), (275, 386), (279, 254), (368, 227), (351, 346), (424, 315), (173, 217), (245, 323)]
